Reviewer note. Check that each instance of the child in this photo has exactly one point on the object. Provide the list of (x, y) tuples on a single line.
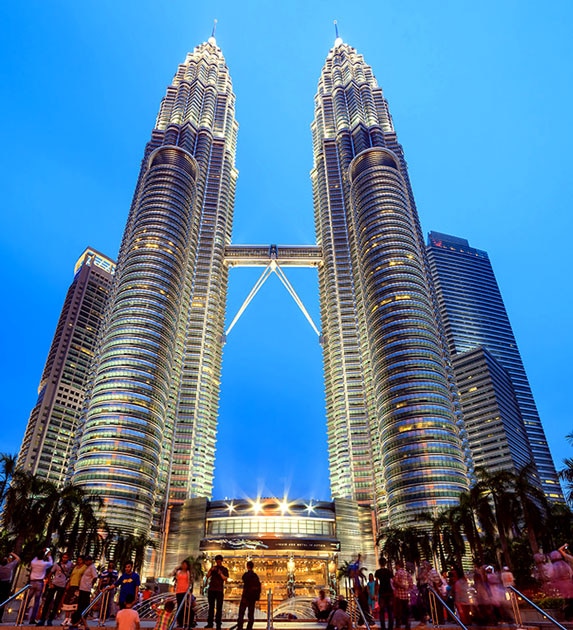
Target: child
[(164, 615), (127, 618)]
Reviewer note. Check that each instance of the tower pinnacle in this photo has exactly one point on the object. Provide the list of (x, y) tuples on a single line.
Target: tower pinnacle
[(212, 39), (338, 39)]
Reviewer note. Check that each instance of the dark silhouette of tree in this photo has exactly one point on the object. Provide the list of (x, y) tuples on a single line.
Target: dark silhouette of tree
[(26, 508), (467, 521), (131, 548), (495, 489), (196, 567), (38, 513), (407, 544), (534, 505), (566, 474), (7, 469)]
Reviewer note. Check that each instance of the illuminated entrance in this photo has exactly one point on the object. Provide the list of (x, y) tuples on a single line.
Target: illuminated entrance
[(295, 546)]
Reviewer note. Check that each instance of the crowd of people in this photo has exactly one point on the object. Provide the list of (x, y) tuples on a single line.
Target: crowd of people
[(392, 595), (396, 596), (65, 587)]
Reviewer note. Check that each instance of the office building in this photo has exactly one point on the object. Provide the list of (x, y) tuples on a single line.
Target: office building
[(492, 418), (393, 433), (53, 422), (148, 439), (474, 315)]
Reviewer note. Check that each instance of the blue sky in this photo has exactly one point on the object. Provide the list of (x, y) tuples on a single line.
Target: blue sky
[(480, 94)]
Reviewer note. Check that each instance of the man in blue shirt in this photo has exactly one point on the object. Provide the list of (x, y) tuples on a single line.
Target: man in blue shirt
[(129, 583)]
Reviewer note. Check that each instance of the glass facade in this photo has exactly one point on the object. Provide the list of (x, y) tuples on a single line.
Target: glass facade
[(474, 315), (148, 438), (50, 433), (393, 431)]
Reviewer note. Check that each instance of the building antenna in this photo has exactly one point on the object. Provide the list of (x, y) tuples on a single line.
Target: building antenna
[(214, 28), (336, 28)]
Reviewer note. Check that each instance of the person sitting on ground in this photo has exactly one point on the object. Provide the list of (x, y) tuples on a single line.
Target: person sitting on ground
[(164, 615), (127, 618), (321, 606), (339, 618)]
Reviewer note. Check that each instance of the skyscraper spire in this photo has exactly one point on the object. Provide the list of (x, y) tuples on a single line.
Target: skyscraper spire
[(212, 39), (337, 39)]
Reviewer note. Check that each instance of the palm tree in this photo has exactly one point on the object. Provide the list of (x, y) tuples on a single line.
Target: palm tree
[(533, 502), (28, 503), (495, 489), (196, 567), (131, 548), (439, 523), (390, 541), (7, 469), (406, 544), (467, 521), (566, 474)]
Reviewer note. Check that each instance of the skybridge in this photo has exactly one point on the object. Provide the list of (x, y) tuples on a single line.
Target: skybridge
[(273, 258)]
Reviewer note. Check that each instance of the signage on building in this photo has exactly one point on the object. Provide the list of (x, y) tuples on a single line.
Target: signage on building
[(275, 544)]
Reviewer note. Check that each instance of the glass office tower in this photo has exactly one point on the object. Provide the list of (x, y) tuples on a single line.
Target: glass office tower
[(148, 438), (473, 314), (393, 433), (53, 422)]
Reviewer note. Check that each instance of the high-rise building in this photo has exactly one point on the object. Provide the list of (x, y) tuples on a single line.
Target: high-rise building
[(492, 419), (148, 439), (53, 422), (474, 315), (393, 435)]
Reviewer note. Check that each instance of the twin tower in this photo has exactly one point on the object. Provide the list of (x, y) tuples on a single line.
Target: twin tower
[(395, 437)]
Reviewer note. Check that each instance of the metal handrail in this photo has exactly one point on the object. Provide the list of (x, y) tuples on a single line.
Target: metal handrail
[(433, 596), (537, 608), (361, 613), (187, 608), (91, 604), (23, 606), (12, 597)]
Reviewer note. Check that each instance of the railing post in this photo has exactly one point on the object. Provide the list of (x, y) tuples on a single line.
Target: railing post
[(515, 608), (23, 607), (269, 609)]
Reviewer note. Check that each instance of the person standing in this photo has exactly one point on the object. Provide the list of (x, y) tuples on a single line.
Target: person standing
[(70, 601), (371, 590), (7, 566), (87, 581), (403, 584), (383, 577), (218, 575), (251, 595), (107, 578), (182, 577), (39, 566), (129, 583), (127, 618), (58, 577)]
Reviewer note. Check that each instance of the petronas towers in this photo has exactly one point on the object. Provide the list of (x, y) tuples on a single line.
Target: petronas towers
[(147, 438)]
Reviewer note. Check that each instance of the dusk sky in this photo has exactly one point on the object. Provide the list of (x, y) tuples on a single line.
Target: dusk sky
[(480, 94)]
